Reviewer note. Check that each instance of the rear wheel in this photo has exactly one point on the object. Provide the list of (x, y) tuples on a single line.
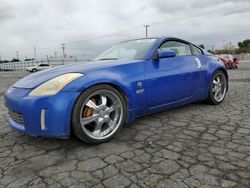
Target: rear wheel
[(34, 70), (218, 88), (99, 114)]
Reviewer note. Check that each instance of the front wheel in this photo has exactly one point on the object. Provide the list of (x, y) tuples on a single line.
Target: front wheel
[(99, 114), (218, 88)]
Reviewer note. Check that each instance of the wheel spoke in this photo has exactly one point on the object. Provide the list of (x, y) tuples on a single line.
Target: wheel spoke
[(217, 93), (113, 107), (104, 100), (88, 120), (213, 89), (111, 125), (110, 122), (98, 127), (91, 105), (218, 80)]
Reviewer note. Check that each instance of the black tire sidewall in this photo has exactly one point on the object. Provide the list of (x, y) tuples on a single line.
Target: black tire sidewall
[(75, 120)]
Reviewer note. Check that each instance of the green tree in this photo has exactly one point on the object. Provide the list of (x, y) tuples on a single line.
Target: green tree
[(246, 43), (244, 46), (240, 44)]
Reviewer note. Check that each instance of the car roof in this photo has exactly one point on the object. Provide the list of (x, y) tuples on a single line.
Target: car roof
[(161, 39)]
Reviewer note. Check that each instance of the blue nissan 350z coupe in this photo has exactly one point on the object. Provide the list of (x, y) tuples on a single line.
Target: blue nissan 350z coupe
[(131, 79)]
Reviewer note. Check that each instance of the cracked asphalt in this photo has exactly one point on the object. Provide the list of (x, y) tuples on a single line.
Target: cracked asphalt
[(196, 145)]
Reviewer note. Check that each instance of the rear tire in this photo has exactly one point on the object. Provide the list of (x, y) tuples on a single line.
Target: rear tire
[(218, 88), (99, 114), (34, 70)]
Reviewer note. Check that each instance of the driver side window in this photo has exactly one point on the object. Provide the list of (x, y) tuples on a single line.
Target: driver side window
[(180, 48)]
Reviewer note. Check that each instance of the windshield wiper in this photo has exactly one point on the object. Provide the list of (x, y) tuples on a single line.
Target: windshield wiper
[(113, 58)]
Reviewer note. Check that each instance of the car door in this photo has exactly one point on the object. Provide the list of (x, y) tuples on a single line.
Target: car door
[(45, 66), (172, 79), (39, 67)]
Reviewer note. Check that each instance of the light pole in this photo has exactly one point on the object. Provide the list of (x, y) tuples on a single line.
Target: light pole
[(146, 29), (63, 50), (34, 48), (17, 55)]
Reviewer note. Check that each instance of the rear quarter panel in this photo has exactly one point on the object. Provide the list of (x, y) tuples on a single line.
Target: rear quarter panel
[(212, 65)]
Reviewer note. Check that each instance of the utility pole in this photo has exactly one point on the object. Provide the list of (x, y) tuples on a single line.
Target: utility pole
[(146, 29), (34, 52), (47, 59), (63, 49), (17, 55)]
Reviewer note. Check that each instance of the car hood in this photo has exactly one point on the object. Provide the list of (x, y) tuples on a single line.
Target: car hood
[(33, 80)]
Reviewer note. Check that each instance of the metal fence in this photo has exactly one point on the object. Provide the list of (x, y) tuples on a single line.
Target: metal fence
[(245, 56), (22, 65)]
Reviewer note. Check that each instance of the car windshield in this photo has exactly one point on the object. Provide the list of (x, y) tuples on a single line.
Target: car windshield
[(130, 50)]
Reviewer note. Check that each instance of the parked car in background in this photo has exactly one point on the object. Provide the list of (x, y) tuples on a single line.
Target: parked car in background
[(235, 62), (38, 67), (229, 61)]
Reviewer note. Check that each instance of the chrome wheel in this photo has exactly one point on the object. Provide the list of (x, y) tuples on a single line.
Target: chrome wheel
[(101, 114), (219, 87)]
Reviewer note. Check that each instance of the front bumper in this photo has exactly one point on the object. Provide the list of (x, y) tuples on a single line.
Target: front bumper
[(42, 116)]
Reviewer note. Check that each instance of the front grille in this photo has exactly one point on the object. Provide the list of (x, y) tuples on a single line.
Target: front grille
[(17, 117)]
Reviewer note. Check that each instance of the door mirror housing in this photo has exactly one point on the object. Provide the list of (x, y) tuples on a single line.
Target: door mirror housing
[(166, 54)]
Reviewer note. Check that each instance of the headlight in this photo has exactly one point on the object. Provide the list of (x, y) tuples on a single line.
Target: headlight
[(54, 85)]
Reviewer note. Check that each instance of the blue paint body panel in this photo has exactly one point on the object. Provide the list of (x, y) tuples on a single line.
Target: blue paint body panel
[(165, 83)]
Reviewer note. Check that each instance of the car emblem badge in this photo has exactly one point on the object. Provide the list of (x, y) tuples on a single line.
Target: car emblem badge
[(139, 84), (140, 90)]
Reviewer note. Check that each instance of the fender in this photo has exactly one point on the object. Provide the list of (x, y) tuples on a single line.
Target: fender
[(122, 80)]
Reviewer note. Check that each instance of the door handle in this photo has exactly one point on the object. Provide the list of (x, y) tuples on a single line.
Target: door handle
[(198, 63)]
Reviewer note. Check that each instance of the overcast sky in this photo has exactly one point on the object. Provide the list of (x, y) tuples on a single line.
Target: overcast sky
[(89, 26)]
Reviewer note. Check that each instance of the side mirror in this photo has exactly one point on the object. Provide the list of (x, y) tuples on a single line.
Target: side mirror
[(166, 54)]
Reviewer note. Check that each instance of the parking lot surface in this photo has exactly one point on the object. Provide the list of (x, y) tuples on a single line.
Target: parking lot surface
[(196, 145)]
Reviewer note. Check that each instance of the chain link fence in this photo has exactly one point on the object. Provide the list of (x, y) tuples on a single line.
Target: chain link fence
[(22, 65)]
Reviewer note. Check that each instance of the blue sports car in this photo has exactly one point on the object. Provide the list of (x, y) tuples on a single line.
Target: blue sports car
[(132, 79)]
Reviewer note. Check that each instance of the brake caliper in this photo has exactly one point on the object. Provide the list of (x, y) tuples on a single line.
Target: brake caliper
[(87, 112)]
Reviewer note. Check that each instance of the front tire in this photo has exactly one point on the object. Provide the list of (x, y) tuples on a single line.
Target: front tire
[(218, 88), (99, 114)]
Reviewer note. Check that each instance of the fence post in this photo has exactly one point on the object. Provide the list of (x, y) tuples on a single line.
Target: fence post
[(48, 59)]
